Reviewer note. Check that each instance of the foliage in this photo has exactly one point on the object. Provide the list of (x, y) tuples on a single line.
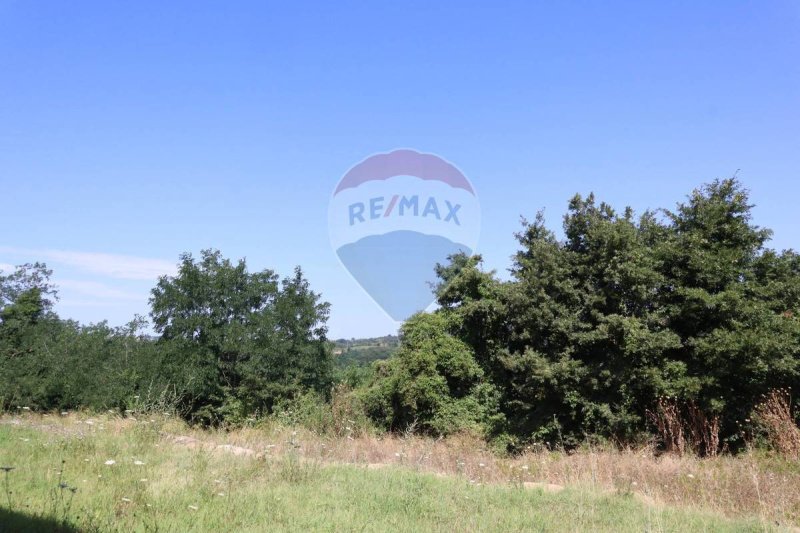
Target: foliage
[(232, 343), (672, 324), (433, 382), (257, 340), (70, 366), (593, 329), (26, 278)]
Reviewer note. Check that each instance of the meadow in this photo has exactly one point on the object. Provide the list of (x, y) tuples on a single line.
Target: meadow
[(146, 472)]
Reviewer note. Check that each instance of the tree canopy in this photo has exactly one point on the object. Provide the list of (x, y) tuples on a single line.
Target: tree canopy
[(231, 343), (594, 328), (597, 327), (255, 339)]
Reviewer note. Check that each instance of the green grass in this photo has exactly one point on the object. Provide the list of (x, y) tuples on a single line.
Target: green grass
[(181, 489)]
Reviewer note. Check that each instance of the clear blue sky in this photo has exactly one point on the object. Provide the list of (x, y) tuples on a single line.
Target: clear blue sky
[(132, 132)]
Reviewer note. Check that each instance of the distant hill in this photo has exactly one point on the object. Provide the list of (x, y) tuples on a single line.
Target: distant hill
[(364, 351)]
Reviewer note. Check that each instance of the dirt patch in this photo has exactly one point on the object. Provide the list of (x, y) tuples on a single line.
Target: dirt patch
[(546, 487)]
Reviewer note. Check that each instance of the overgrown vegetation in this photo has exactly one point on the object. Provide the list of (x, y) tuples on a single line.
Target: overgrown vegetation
[(595, 330), (677, 326), (232, 344), (361, 352), (149, 472)]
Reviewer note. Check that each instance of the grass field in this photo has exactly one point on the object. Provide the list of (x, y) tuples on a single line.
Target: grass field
[(154, 474)]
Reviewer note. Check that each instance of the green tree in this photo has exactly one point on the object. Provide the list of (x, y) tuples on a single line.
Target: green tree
[(591, 330), (291, 354), (25, 278), (26, 298), (251, 339), (432, 383), (732, 302), (26, 320)]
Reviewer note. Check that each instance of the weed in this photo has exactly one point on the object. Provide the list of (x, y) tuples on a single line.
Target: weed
[(774, 415)]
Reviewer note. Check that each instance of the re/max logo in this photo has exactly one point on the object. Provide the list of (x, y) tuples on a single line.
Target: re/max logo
[(402, 206)]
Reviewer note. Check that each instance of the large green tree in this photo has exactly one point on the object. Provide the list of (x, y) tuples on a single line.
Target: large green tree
[(252, 339), (26, 298), (594, 327)]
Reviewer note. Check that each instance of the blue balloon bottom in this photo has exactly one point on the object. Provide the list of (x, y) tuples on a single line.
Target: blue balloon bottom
[(396, 268)]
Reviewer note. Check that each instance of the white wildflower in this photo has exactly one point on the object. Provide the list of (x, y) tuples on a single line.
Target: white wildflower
[(194, 507), (138, 463), (111, 462)]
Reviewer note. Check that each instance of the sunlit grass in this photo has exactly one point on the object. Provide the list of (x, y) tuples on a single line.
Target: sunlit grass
[(131, 476)]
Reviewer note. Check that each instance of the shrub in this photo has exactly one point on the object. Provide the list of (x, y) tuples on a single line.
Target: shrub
[(433, 383)]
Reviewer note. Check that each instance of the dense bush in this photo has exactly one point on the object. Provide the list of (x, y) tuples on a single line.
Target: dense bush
[(593, 329), (433, 383), (65, 365)]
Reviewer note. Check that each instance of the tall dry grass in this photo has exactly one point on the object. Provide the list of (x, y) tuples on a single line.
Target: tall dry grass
[(683, 427), (137, 476), (756, 482), (752, 483), (774, 415)]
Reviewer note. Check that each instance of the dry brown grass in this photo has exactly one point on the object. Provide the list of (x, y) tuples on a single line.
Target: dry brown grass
[(753, 483), (774, 414), (684, 427)]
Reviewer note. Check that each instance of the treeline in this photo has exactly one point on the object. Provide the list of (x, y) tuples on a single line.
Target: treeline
[(626, 325), (232, 344), (597, 333), (362, 352)]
